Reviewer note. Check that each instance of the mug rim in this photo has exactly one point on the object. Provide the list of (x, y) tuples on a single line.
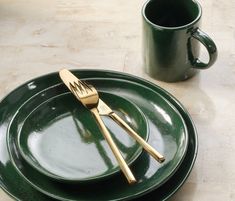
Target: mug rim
[(175, 27)]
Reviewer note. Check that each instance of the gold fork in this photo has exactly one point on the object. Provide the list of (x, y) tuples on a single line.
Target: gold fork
[(89, 97)]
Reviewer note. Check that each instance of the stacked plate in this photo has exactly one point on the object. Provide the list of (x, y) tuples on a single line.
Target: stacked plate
[(51, 147)]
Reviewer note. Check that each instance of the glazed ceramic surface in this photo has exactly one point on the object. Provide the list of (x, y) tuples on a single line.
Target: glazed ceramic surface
[(171, 38), (59, 137), (168, 134), (146, 169)]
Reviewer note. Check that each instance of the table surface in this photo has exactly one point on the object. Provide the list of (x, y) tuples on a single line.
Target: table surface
[(38, 37)]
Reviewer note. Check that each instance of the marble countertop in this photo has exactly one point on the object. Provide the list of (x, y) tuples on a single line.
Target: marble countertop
[(38, 37)]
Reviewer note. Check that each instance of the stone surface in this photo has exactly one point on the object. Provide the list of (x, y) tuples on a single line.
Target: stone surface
[(38, 37)]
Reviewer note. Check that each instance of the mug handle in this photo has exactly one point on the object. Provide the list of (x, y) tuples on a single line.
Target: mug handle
[(209, 45)]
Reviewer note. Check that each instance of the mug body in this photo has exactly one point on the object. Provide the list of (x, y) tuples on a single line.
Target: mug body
[(168, 48)]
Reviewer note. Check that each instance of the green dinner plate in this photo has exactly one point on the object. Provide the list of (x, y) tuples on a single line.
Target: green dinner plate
[(145, 168), (167, 133), (59, 137)]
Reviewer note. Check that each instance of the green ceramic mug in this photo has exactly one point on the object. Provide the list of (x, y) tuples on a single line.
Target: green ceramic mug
[(171, 39)]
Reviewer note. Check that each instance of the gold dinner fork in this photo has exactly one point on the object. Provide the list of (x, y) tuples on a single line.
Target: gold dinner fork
[(89, 97)]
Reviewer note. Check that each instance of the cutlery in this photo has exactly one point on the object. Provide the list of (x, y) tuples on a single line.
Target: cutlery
[(89, 97)]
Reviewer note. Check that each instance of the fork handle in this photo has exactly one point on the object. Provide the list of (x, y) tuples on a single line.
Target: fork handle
[(122, 163), (153, 152)]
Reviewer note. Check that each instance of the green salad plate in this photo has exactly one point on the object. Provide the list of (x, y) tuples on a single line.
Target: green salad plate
[(58, 136), (170, 129)]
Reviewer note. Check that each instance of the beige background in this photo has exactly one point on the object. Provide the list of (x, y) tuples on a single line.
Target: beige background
[(38, 37)]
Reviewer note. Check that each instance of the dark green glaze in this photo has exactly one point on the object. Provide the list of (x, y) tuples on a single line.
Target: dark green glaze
[(59, 137), (171, 38), (16, 186), (167, 134)]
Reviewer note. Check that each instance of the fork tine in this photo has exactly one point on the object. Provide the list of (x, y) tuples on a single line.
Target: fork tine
[(87, 94), (75, 90), (87, 86), (82, 87)]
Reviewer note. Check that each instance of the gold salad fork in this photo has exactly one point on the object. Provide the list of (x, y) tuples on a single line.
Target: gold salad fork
[(89, 97)]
